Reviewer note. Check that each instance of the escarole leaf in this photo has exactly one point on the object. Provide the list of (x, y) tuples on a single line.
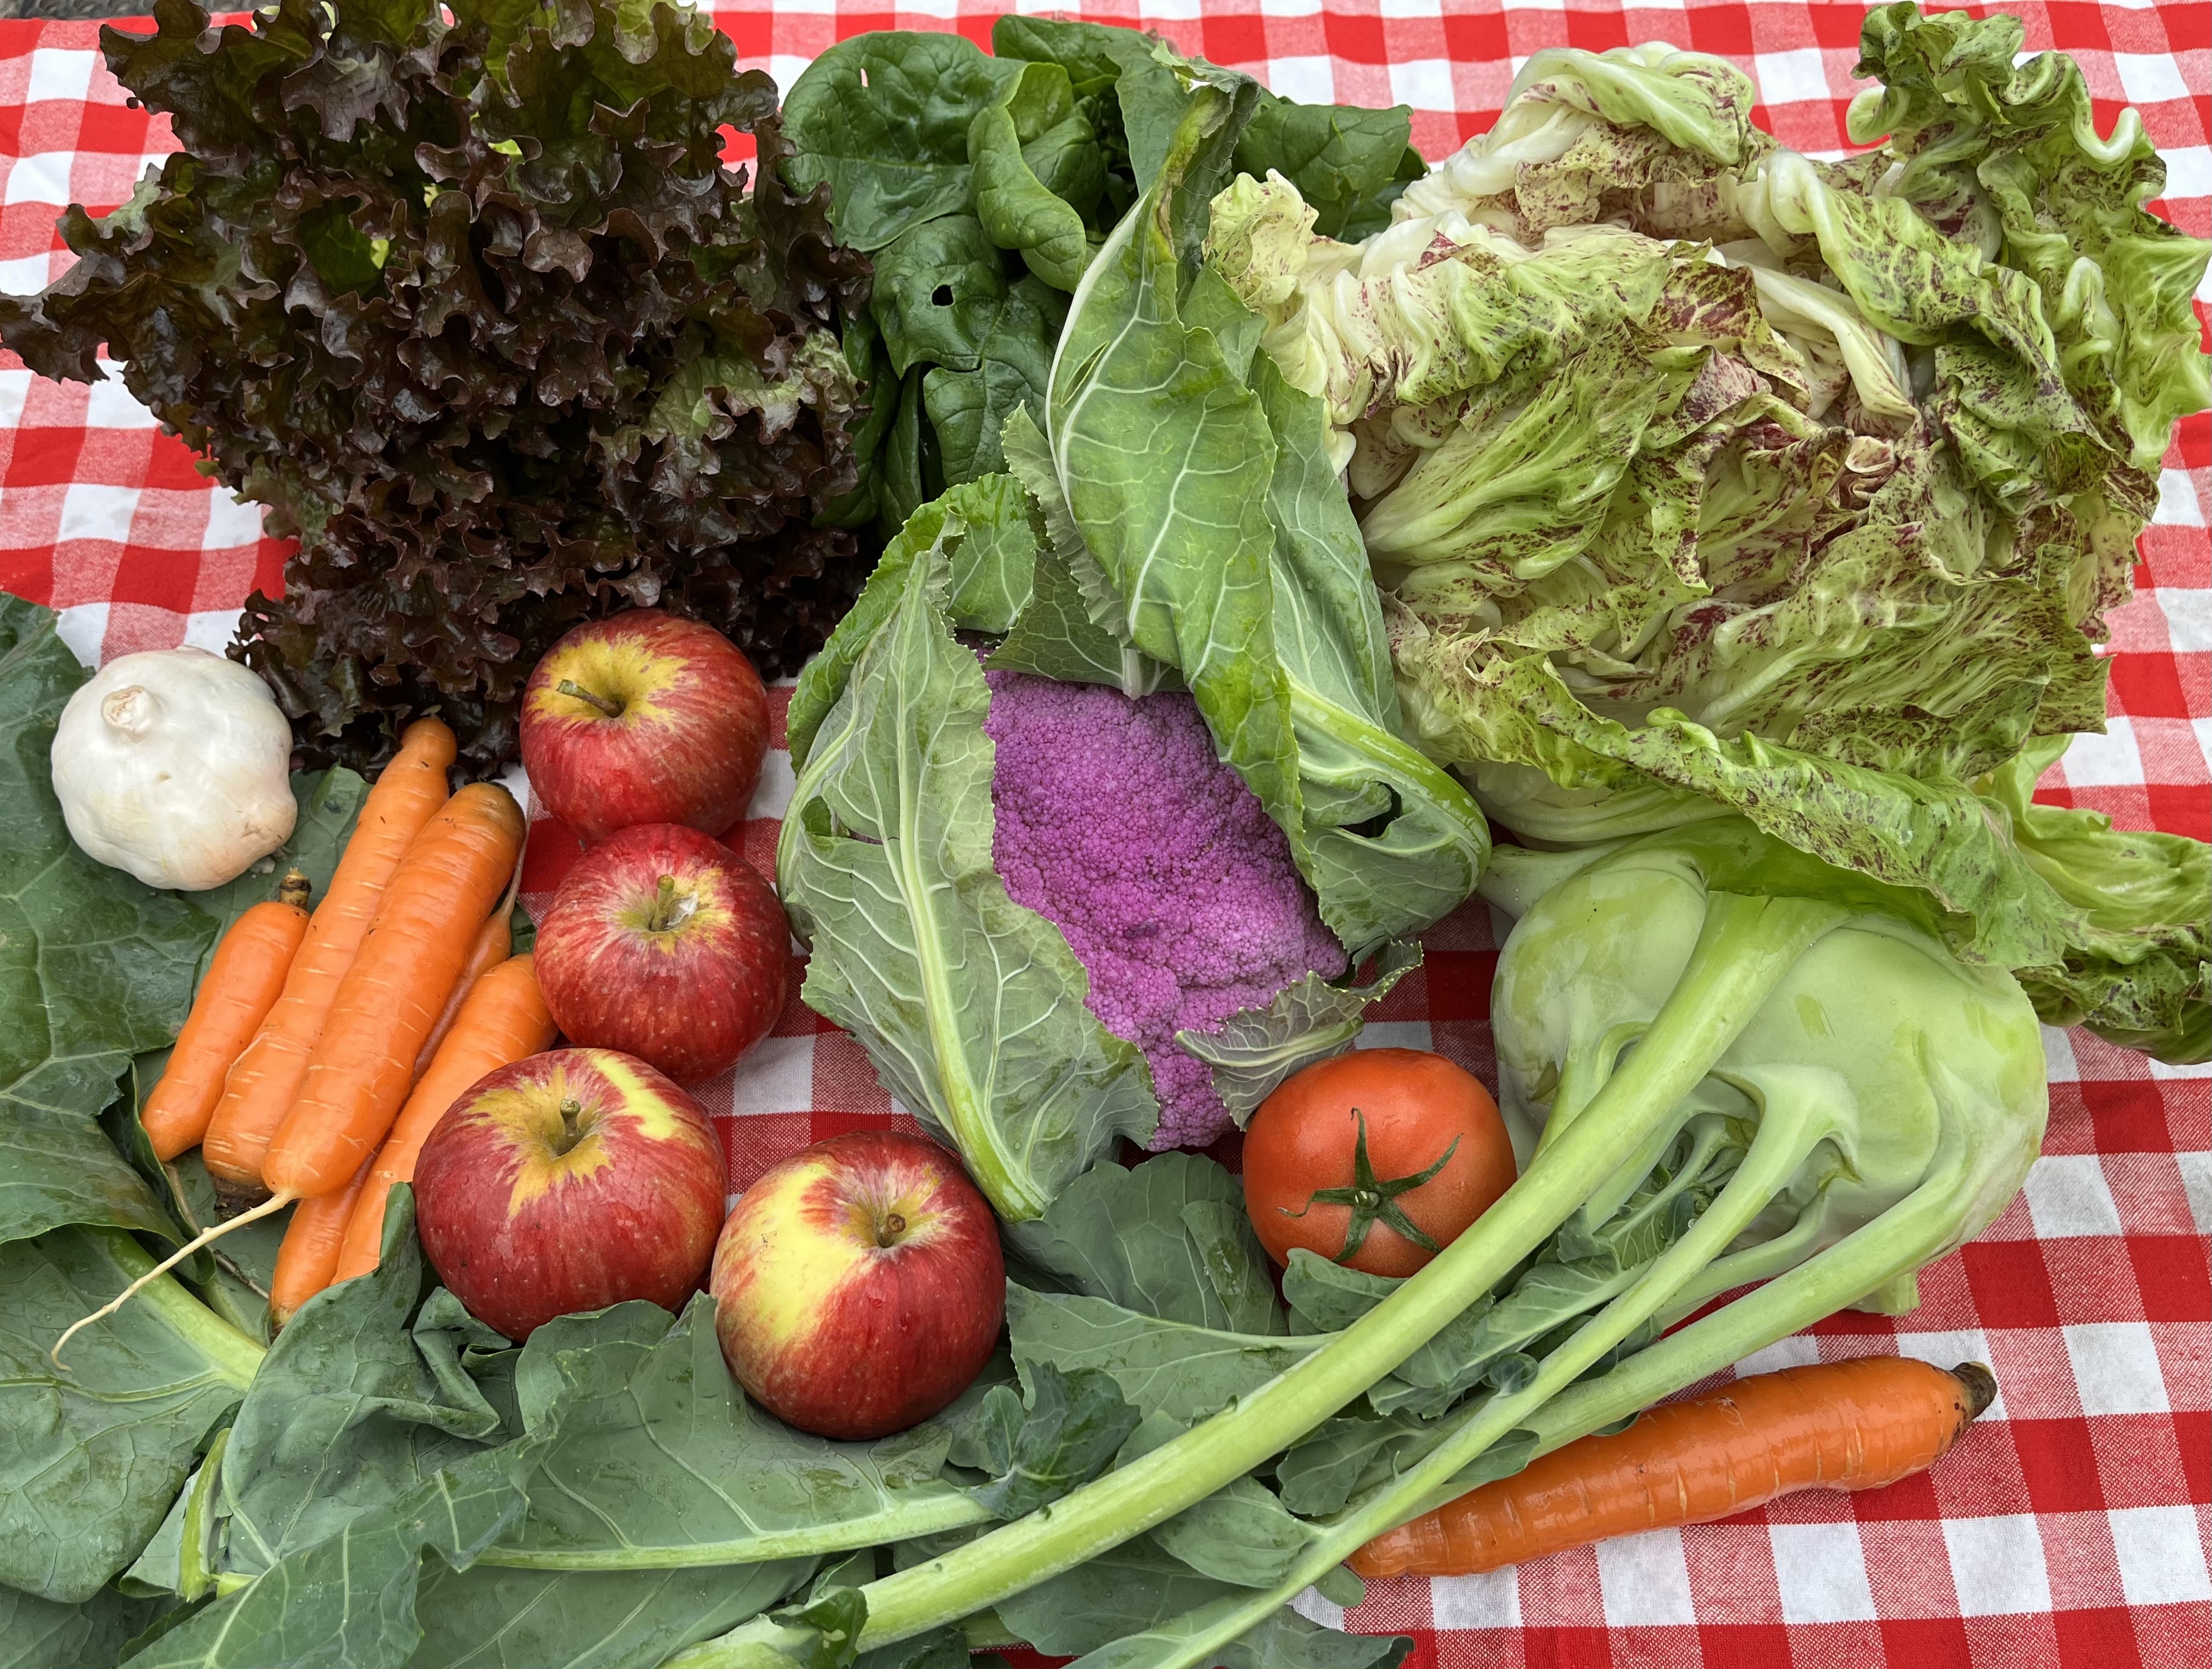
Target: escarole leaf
[(2008, 151), (1704, 476), (2136, 966), (1197, 480), (970, 1006)]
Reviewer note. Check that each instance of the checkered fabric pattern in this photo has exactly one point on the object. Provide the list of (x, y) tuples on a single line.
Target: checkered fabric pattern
[(2070, 1525)]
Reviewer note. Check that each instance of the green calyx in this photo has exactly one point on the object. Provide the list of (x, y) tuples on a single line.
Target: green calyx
[(1375, 1200)]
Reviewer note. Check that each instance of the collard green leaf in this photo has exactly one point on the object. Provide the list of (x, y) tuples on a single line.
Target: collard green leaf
[(660, 1461), (1241, 1535), (94, 967), (352, 1410), (348, 1601), (1169, 1367), (486, 1617), (1121, 1591), (970, 1006), (1345, 1455), (92, 1454), (1063, 1434), (38, 1634), (1282, 1640), (1130, 1237)]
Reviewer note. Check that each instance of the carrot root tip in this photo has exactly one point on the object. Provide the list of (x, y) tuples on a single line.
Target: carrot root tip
[(1979, 1384)]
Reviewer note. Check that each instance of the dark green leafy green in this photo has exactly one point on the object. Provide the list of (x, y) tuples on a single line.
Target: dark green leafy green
[(1037, 1448), (1169, 1239), (1122, 1591), (660, 1461), (990, 182), (1171, 1368), (94, 967), (38, 1634), (486, 1617), (93, 1454), (353, 1410)]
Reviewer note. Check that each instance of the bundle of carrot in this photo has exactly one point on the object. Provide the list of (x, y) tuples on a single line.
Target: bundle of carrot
[(320, 1050)]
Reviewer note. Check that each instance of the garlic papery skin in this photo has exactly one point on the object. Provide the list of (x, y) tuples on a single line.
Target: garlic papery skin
[(174, 765)]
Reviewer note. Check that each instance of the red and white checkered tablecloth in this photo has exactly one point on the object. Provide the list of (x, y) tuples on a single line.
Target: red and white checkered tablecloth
[(2071, 1525)]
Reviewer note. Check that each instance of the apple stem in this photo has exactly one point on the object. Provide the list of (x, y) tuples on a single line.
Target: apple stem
[(894, 1226), (571, 1112), (664, 906), (570, 687)]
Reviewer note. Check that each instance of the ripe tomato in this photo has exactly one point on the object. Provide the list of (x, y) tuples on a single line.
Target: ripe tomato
[(1349, 1154)]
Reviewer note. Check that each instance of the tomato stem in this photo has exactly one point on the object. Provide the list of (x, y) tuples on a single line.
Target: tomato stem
[(1375, 1200)]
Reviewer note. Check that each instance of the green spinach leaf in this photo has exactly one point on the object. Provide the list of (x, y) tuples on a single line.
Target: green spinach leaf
[(882, 119)]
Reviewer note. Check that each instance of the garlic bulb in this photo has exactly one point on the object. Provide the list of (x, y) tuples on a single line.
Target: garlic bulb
[(174, 765)]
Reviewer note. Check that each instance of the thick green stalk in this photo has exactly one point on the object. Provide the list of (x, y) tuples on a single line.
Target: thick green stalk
[(234, 1356), (1558, 1412), (935, 1509), (1746, 946)]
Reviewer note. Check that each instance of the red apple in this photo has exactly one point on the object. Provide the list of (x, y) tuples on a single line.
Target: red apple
[(569, 1181), (663, 943), (646, 717), (858, 1285)]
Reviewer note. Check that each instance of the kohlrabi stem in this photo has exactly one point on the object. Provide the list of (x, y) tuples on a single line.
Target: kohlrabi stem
[(931, 1510), (1745, 947), (1773, 1158)]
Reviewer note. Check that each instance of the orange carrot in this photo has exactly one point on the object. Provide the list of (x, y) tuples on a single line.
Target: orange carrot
[(309, 1254), (266, 1078), (489, 950), (241, 985), (360, 1072), (503, 1021), (1845, 1425), (358, 1078)]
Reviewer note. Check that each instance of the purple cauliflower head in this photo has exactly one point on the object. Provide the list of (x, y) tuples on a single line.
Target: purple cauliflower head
[(1171, 883)]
